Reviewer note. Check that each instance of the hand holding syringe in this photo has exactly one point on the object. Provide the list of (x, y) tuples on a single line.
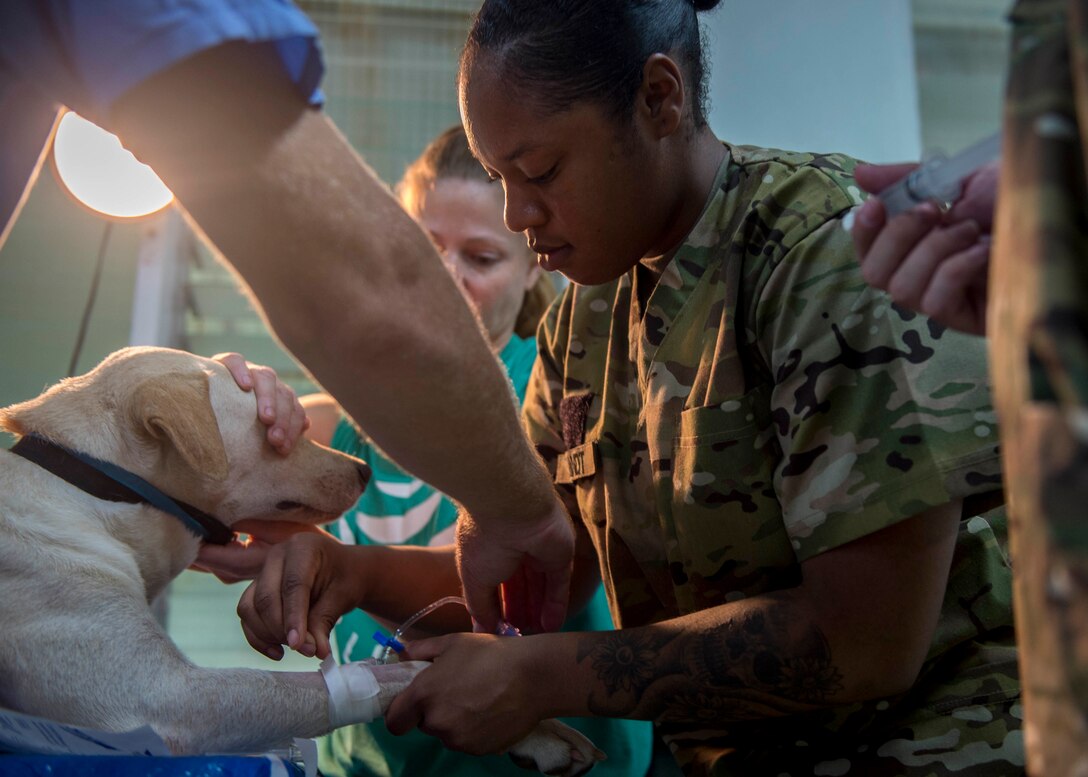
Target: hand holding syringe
[(924, 238)]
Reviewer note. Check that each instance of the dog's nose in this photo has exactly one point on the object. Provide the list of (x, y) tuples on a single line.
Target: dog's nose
[(364, 474)]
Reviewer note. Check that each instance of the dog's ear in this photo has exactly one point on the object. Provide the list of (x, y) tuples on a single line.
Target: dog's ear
[(9, 420), (177, 408)]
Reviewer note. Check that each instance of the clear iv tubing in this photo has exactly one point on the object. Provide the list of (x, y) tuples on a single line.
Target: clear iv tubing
[(411, 621), (505, 629)]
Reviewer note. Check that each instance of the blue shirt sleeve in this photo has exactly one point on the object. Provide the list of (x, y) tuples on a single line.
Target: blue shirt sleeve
[(85, 54)]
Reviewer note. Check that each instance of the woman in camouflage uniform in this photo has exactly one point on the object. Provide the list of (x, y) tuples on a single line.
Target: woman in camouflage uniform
[(791, 485), (783, 474)]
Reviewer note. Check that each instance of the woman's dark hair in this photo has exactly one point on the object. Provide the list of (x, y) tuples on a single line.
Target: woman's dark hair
[(563, 51)]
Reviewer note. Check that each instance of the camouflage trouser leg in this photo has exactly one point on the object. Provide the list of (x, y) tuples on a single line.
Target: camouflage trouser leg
[(1039, 331), (940, 747), (969, 725), (966, 726)]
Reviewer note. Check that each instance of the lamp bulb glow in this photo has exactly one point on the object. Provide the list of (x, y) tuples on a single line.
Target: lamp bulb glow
[(100, 173)]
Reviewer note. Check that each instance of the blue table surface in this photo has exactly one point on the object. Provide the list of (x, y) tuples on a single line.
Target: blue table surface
[(139, 766)]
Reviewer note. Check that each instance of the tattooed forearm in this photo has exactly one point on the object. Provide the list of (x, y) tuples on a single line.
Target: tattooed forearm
[(756, 652), (758, 663), (626, 661)]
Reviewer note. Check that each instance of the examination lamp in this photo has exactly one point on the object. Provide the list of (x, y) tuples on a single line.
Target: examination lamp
[(101, 175), (96, 170)]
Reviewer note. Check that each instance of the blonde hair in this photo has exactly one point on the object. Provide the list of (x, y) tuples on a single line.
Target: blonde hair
[(448, 156)]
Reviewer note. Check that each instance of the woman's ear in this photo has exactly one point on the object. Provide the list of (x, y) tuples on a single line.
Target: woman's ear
[(661, 97)]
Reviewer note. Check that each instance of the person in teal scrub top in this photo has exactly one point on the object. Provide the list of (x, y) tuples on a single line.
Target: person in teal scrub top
[(447, 190)]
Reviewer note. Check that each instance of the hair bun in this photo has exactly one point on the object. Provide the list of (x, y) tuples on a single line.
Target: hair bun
[(704, 5)]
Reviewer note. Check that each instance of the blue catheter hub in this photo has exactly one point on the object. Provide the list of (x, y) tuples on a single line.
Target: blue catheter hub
[(388, 642)]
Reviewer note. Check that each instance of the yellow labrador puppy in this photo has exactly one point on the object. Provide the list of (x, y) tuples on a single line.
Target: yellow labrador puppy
[(116, 478)]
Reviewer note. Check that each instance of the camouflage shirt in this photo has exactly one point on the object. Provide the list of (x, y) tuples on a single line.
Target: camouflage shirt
[(719, 415)]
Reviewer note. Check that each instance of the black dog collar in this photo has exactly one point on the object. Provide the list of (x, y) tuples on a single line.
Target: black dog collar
[(116, 484)]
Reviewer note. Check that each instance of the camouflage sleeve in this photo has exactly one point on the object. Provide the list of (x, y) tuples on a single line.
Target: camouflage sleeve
[(540, 411), (879, 412)]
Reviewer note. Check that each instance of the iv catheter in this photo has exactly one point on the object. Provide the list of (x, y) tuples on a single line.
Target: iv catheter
[(393, 644)]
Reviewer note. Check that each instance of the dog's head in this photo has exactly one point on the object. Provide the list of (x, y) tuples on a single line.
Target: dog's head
[(181, 422)]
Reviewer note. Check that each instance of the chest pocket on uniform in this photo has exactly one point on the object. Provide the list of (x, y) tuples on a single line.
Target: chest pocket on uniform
[(726, 516)]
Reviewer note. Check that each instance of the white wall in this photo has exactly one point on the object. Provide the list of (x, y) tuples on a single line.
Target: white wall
[(815, 75)]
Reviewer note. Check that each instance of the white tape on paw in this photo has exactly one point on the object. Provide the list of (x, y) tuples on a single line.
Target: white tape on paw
[(353, 693)]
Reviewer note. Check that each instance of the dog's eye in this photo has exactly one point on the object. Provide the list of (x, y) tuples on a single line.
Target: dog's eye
[(285, 505)]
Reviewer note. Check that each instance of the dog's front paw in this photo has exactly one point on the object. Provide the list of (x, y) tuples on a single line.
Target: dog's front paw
[(556, 748)]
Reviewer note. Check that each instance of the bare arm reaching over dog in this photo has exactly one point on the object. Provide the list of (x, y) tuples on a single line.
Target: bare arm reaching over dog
[(278, 191)]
